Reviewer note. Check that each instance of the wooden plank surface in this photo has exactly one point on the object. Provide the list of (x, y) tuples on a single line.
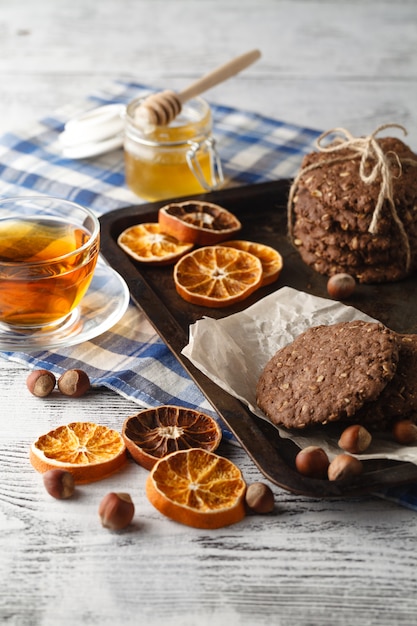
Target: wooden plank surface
[(311, 562), (324, 63)]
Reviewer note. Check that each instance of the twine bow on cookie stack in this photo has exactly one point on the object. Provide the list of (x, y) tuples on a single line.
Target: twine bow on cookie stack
[(374, 164), (371, 154)]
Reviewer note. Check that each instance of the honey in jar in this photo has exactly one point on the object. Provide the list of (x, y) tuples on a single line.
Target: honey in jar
[(175, 160)]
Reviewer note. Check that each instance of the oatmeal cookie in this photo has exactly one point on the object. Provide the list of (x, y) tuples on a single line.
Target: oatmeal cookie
[(327, 373), (332, 210), (399, 398)]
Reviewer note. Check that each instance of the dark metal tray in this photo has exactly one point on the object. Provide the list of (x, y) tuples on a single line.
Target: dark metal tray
[(262, 210)]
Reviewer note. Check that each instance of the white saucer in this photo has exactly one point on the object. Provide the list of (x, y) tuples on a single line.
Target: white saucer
[(102, 307)]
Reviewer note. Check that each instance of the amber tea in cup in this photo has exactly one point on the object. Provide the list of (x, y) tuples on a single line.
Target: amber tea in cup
[(48, 252)]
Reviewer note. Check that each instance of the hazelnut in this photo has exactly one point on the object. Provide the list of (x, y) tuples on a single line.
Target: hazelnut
[(313, 462), (116, 510), (344, 466), (41, 383), (405, 432), (355, 439), (74, 383), (341, 286), (59, 483), (260, 498)]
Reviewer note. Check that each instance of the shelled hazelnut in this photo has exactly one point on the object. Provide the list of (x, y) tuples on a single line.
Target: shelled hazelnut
[(312, 462), (405, 432), (74, 383), (41, 383), (344, 466), (116, 511), (260, 498), (59, 483), (355, 439), (341, 286)]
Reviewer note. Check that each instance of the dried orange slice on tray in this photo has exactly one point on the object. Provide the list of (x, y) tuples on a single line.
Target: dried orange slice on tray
[(197, 488), (154, 433), (217, 276), (147, 243), (202, 223), (89, 451), (269, 257)]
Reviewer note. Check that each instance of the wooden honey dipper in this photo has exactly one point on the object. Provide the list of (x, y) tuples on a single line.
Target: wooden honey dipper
[(161, 108)]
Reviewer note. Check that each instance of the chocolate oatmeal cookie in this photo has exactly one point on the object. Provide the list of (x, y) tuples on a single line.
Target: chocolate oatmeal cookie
[(327, 373), (331, 210), (399, 398)]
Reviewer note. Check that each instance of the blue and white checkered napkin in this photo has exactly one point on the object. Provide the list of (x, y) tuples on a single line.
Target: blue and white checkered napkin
[(130, 358)]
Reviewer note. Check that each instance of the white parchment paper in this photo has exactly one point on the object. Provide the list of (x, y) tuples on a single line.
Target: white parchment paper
[(233, 351)]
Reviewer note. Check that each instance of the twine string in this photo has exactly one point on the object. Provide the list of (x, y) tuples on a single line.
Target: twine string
[(374, 164)]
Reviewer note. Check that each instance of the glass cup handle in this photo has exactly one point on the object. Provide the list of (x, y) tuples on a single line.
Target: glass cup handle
[(216, 171)]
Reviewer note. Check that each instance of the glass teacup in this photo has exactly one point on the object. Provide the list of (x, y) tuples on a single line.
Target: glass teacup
[(48, 252)]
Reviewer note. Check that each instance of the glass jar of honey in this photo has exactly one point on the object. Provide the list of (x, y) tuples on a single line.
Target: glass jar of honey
[(175, 160)]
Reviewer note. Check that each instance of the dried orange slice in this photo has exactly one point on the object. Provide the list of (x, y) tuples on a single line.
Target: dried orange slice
[(269, 257), (154, 433), (197, 488), (148, 244), (89, 451), (203, 223), (217, 276)]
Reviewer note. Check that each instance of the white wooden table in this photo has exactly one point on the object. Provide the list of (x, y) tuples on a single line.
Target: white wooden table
[(311, 562)]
